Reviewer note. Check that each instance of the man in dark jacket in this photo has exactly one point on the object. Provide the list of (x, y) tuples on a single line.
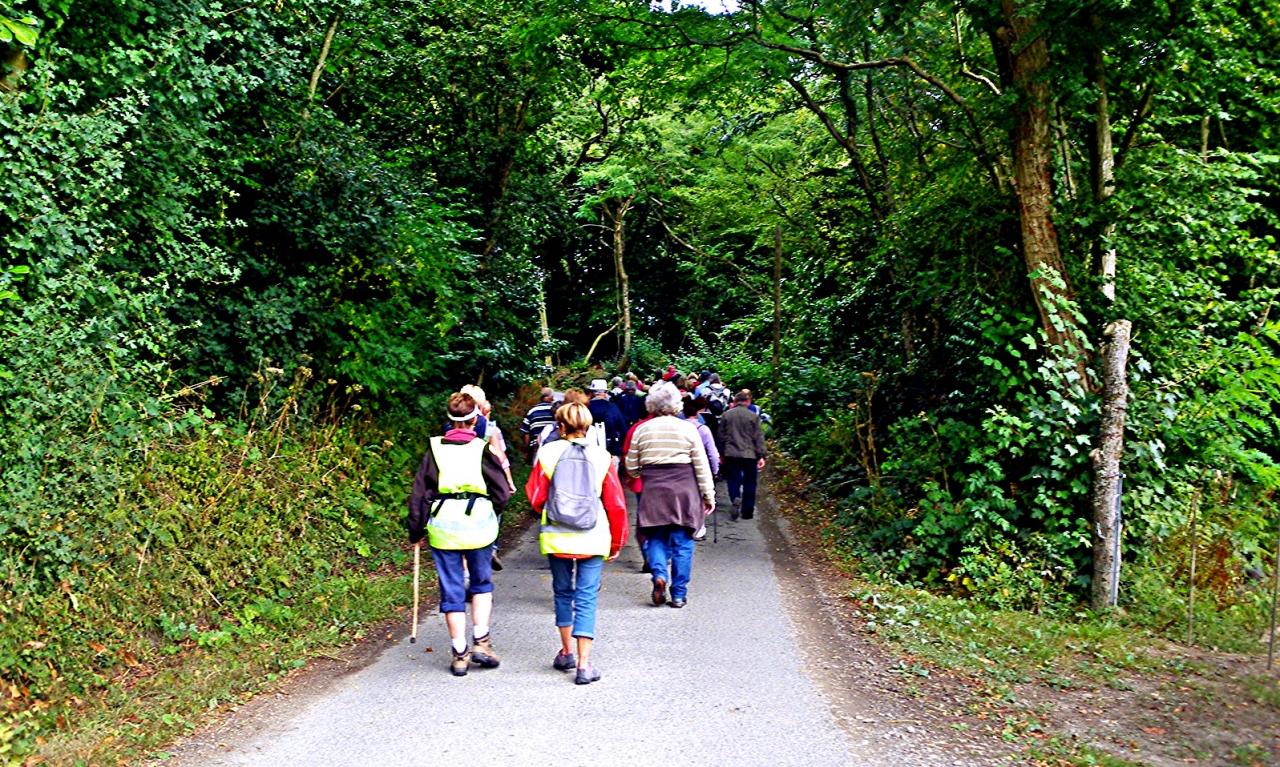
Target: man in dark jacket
[(743, 455), (630, 403), (605, 412)]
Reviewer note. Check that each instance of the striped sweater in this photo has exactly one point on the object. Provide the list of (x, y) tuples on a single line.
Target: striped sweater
[(671, 440)]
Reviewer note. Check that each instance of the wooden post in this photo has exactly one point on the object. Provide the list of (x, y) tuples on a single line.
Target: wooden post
[(1191, 585), (1105, 500), (777, 307)]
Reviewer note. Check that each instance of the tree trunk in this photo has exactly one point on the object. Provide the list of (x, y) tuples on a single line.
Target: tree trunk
[(617, 217), (1102, 171), (1105, 499), (777, 307), (543, 325), (1023, 54)]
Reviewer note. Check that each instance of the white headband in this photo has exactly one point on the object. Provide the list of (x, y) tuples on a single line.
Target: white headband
[(467, 417)]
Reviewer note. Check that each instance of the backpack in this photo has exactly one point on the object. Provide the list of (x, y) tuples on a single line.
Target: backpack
[(596, 434), (573, 500), (717, 399)]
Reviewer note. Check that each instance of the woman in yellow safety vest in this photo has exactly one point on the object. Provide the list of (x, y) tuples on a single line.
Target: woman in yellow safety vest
[(459, 488), (574, 486)]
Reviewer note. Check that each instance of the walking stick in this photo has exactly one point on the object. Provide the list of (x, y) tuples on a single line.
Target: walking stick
[(413, 631), (715, 526)]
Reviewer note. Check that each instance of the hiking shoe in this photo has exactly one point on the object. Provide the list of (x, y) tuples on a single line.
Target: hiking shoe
[(482, 653), (460, 663), (677, 602), (586, 675), (659, 591), (495, 563), (645, 568), (735, 509), (564, 661)]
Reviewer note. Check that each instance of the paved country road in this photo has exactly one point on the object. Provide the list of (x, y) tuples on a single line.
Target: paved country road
[(741, 676)]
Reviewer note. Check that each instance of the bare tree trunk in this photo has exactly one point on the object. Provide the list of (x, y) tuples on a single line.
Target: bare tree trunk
[(314, 82), (543, 326), (1103, 169), (1105, 500), (617, 218), (777, 307)]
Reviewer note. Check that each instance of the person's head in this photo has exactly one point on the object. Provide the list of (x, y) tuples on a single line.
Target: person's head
[(671, 374), (743, 397), (547, 394), (598, 388), (713, 378), (704, 375), (616, 382), (628, 387), (691, 383), (477, 394), (575, 395), (462, 410), (632, 377), (694, 406), (574, 420), (663, 399)]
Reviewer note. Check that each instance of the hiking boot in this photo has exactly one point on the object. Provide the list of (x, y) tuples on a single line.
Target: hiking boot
[(735, 509), (564, 661), (482, 653), (587, 675), (677, 602), (645, 568), (659, 591), (460, 663)]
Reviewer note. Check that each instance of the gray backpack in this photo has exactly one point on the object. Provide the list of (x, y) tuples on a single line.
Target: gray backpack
[(573, 501)]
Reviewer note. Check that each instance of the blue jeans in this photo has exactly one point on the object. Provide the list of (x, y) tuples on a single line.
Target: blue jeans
[(674, 543), (576, 599), (741, 475), (453, 592)]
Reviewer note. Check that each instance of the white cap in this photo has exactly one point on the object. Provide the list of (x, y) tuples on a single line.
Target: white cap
[(599, 385)]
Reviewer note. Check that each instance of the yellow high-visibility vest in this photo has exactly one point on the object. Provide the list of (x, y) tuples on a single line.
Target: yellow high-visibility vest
[(461, 516), (560, 540)]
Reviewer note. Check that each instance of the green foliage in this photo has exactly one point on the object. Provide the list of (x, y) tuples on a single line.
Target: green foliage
[(209, 534)]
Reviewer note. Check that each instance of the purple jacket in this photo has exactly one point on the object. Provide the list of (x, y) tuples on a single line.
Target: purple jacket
[(708, 442)]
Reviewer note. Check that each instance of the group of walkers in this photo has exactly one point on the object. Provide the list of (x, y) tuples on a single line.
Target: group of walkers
[(667, 442)]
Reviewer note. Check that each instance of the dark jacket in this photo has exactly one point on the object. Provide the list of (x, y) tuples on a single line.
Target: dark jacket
[(615, 424), (631, 405), (428, 480), (740, 431)]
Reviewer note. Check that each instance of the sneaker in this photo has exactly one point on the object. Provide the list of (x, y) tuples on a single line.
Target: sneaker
[(677, 602), (495, 563), (701, 535), (460, 663), (587, 675), (482, 653), (659, 591), (564, 661)]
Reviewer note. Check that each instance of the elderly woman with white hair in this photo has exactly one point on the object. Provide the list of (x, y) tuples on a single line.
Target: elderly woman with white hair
[(679, 492)]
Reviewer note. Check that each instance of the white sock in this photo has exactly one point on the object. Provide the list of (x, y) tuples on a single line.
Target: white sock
[(480, 632), (459, 645)]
